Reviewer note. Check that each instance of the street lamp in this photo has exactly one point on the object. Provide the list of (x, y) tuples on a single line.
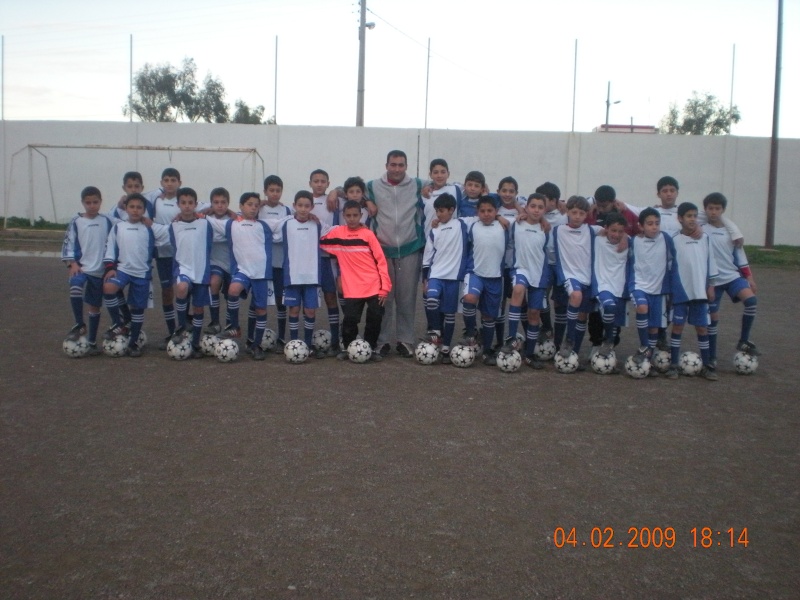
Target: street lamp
[(609, 103), (362, 50)]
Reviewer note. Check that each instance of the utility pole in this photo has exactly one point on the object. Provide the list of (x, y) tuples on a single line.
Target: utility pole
[(362, 52), (769, 238)]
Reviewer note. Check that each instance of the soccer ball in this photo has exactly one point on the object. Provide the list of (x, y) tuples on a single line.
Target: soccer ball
[(359, 351), (545, 350), (76, 348), (604, 365), (637, 370), (426, 353), (690, 363), (270, 340), (226, 351), (180, 351), (509, 363), (296, 352), (208, 344), (321, 340), (661, 360), (744, 363), (115, 347), (462, 356), (567, 365), (142, 340)]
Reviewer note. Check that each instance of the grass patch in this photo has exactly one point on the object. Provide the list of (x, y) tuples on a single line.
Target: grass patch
[(779, 256), (23, 223)]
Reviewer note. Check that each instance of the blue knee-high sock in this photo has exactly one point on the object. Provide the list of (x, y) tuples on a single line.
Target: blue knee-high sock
[(547, 323), (233, 312), (308, 329), (294, 327), (713, 328), (702, 342), (487, 332), (281, 321), (113, 309), (214, 308), (137, 320), (123, 306), (514, 317), (432, 314), (560, 324), (652, 339), (94, 323), (251, 323), (449, 329), (180, 311), (531, 339), (169, 317), (500, 328), (641, 328), (580, 331), (228, 311), (76, 302), (333, 323), (609, 330), (259, 326), (470, 317), (524, 317), (675, 348), (197, 329), (572, 322), (748, 317)]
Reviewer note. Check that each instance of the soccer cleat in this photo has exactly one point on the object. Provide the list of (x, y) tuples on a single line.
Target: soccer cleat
[(213, 328), (748, 348), (93, 350), (712, 363), (606, 349), (470, 338), (642, 354), (280, 344), (133, 350), (672, 372), (320, 353), (116, 330), (231, 332), (662, 343), (197, 352), (178, 335), (257, 352), (248, 346), (444, 356), (76, 332), (709, 373), (534, 363), (332, 352), (510, 344), (342, 355), (383, 350), (546, 334), (376, 357), (163, 345), (566, 349), (433, 336), (489, 359), (404, 350)]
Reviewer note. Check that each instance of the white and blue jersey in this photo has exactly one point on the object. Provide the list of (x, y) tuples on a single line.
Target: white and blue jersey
[(275, 213), (250, 244), (555, 218), (486, 248), (651, 264), (429, 212), (130, 247), (574, 252), (85, 243), (192, 242), (532, 251), (445, 255), (693, 268), (301, 253), (220, 251), (729, 259), (611, 268)]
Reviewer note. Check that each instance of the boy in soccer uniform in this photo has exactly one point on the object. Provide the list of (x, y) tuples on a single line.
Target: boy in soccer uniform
[(474, 189), (132, 183), (220, 258), (483, 283), (439, 174), (735, 277), (272, 210), (694, 273), (319, 182), (443, 269), (191, 237), (554, 217), (531, 253), (129, 253), (649, 282), (82, 252), (365, 277)]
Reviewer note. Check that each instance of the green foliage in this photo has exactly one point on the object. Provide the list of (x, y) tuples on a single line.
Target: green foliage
[(702, 115), (779, 256), (24, 223), (244, 114)]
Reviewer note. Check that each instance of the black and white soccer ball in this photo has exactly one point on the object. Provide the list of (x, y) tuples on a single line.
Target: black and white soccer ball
[(141, 341), (462, 356), (116, 346), (604, 365), (321, 340), (180, 350), (359, 351), (545, 350), (208, 344), (744, 363), (270, 340), (637, 370), (661, 361), (508, 362), (76, 348), (226, 351), (690, 363), (296, 352), (426, 353), (567, 365)]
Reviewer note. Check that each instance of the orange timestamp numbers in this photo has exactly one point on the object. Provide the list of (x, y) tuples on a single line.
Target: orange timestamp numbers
[(650, 537)]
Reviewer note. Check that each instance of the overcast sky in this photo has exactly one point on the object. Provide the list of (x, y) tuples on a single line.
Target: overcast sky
[(505, 64)]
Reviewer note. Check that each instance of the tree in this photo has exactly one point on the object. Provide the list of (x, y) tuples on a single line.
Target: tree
[(702, 115), (244, 114)]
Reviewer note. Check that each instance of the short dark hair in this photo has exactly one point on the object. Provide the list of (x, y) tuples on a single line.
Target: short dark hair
[(351, 204), (605, 193), (510, 180), (438, 162), (170, 172), (615, 217), (537, 196), (132, 175), (475, 176), (550, 190), (667, 180), (396, 154), (138, 197), (649, 212), (246, 196), (273, 180), (686, 207), (578, 202), (486, 200), (220, 191), (186, 191), (715, 198), (90, 190), (304, 194), (444, 201), (355, 182), (319, 172)]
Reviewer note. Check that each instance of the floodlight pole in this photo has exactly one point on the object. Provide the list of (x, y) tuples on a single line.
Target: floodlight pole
[(362, 52), (769, 238), (130, 82), (609, 103)]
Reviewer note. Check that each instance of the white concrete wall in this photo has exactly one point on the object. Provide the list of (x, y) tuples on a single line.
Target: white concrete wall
[(577, 162)]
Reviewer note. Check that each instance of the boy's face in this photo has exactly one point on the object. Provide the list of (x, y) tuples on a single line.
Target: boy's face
[(135, 210), (508, 194), (132, 186), (688, 221), (473, 189), (318, 183), (354, 193), (396, 168), (439, 175), (273, 194), (487, 213), (219, 205), (651, 226), (535, 209), (614, 232), (187, 205), (352, 217), (91, 206), (170, 185), (668, 195), (576, 216), (605, 207), (444, 214), (250, 208), (302, 208), (714, 213)]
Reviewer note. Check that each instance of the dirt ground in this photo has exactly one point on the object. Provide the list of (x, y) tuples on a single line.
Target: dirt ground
[(150, 478)]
